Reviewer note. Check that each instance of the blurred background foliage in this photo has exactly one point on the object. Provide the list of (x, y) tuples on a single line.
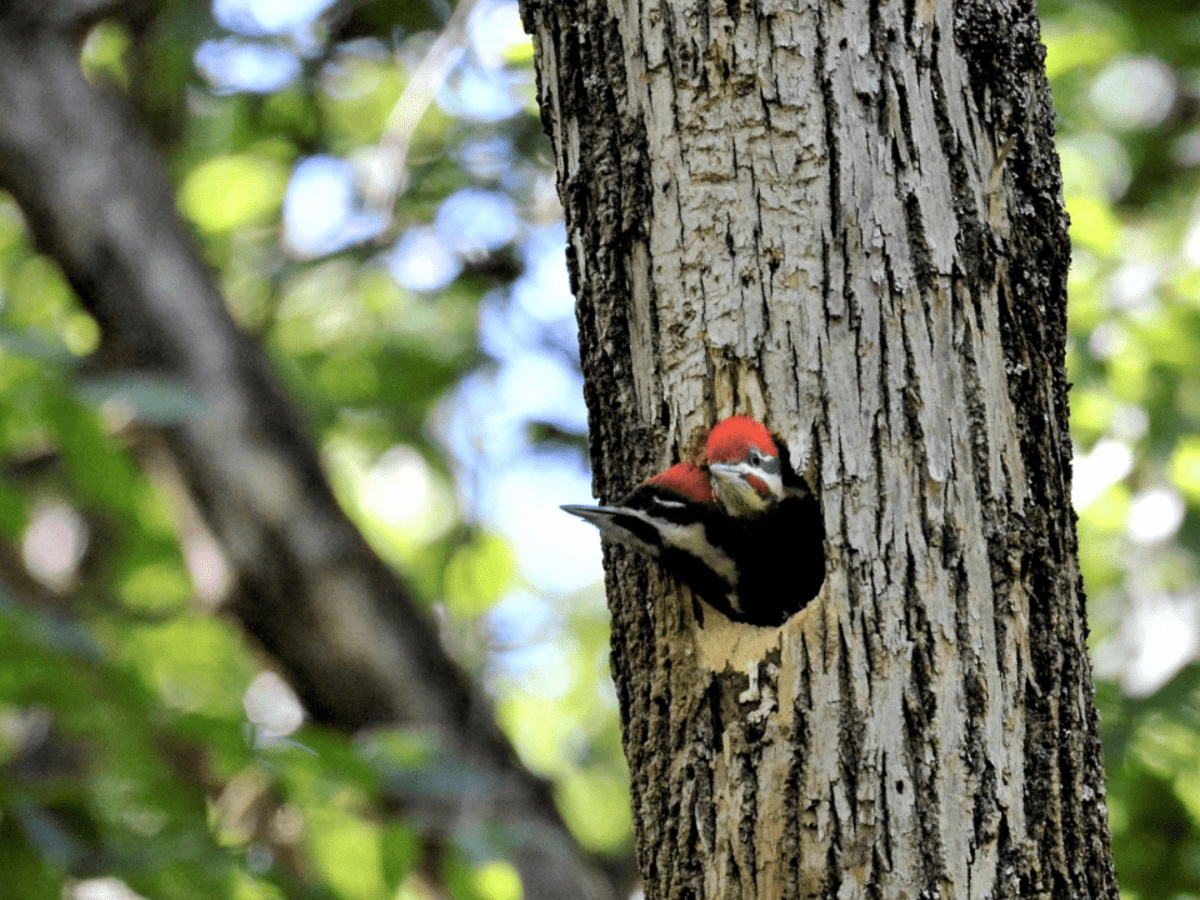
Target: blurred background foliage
[(425, 326)]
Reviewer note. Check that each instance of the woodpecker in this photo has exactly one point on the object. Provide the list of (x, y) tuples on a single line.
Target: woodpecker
[(752, 481), (744, 531), (672, 517), (750, 470)]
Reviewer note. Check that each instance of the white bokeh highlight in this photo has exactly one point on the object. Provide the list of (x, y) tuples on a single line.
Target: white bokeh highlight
[(232, 65), (1099, 469), (422, 262), (272, 706), (54, 544), (322, 210), (1134, 92), (495, 30), (259, 18), (1159, 637), (1155, 515)]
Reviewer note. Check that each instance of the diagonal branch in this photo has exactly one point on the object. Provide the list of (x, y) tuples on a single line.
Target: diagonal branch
[(387, 170)]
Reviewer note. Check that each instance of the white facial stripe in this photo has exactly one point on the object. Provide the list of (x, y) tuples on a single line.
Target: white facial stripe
[(727, 473)]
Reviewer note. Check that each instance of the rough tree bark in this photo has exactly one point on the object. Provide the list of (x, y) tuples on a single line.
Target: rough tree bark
[(845, 219), (338, 621)]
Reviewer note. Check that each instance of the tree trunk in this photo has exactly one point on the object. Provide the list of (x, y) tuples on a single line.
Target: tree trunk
[(846, 220)]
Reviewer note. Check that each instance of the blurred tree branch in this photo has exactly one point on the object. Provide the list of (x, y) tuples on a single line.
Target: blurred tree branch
[(351, 639), (387, 171), (69, 18)]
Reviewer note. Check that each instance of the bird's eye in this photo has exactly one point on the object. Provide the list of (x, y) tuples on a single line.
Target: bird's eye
[(754, 456)]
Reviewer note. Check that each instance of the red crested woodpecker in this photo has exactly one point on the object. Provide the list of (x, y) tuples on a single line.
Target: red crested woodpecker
[(744, 532), (752, 481), (671, 517), (749, 468)]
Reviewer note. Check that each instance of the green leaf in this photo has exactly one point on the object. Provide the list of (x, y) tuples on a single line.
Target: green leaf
[(478, 575), (400, 850), (1185, 467), (497, 880), (228, 192), (13, 516), (97, 466), (26, 874), (157, 587)]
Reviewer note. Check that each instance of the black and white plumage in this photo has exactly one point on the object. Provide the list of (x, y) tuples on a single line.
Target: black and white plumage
[(744, 532)]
